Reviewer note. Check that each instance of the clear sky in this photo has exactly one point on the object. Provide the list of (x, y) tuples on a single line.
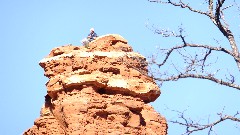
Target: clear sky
[(29, 29)]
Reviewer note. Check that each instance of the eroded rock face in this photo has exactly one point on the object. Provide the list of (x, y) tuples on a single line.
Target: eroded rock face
[(102, 89)]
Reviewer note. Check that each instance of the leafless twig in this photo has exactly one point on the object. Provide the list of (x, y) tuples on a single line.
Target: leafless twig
[(194, 126)]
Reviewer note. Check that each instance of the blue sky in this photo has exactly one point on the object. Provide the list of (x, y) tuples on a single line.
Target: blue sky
[(29, 29)]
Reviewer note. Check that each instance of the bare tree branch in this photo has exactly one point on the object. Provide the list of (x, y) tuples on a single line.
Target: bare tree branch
[(207, 77), (216, 18), (194, 64), (190, 67), (181, 5), (168, 53), (225, 29), (210, 8), (194, 126)]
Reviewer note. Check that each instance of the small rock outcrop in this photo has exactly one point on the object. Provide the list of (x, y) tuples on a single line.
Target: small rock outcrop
[(102, 89)]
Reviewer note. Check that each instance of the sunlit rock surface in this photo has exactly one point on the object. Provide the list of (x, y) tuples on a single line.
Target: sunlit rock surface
[(100, 89)]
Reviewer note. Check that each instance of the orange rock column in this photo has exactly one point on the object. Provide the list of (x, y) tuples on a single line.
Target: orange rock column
[(102, 89)]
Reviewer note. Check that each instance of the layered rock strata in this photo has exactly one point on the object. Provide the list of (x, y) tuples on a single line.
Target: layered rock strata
[(97, 90)]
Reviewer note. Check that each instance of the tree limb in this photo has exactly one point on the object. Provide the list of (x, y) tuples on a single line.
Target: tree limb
[(215, 18), (206, 77), (181, 5), (168, 53), (193, 126)]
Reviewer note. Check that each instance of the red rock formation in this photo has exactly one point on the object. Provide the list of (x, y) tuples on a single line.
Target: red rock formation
[(102, 89)]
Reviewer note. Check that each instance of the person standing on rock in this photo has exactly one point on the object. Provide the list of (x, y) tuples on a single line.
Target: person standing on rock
[(91, 36)]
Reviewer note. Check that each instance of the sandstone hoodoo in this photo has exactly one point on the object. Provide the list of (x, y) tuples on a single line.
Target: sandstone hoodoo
[(97, 90)]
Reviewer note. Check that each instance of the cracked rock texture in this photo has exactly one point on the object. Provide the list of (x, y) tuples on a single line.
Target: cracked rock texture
[(102, 89)]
